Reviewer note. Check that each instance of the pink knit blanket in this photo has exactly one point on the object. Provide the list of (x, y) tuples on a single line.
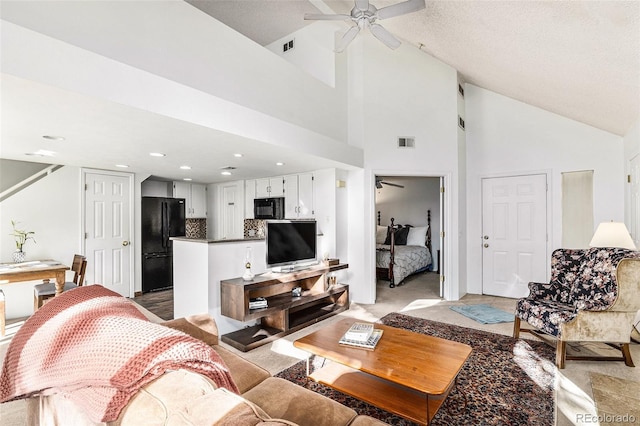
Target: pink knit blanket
[(96, 348)]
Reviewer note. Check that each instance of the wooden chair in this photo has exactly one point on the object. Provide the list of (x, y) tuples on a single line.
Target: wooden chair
[(47, 290)]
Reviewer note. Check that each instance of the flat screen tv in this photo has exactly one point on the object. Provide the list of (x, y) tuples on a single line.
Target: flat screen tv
[(290, 243)]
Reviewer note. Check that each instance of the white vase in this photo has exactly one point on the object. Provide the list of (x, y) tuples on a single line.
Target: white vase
[(19, 256)]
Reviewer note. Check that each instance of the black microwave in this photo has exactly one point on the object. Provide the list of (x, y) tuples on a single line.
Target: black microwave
[(268, 208)]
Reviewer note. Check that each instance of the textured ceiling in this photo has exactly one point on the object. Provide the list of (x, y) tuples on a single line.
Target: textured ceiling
[(579, 59)]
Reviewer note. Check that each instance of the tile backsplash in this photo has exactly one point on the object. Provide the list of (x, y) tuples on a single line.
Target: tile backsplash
[(196, 228), (254, 228)]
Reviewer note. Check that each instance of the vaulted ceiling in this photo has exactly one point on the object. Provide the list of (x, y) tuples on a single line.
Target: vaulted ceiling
[(579, 59)]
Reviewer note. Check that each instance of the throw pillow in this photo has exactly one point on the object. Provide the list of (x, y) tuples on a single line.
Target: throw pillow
[(381, 234), (400, 237), (417, 236)]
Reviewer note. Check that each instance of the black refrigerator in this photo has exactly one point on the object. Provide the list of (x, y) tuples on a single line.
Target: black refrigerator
[(162, 218)]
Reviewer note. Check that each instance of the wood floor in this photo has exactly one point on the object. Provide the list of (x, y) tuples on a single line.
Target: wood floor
[(158, 302)]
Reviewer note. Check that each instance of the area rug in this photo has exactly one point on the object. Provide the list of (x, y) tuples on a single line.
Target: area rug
[(505, 381), (485, 314)]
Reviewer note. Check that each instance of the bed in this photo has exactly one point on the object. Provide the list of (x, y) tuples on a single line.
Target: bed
[(405, 250)]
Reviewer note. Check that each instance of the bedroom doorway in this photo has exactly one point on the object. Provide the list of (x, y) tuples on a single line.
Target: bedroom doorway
[(415, 201)]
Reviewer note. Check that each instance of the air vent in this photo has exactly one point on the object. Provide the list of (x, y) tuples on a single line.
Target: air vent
[(288, 46), (461, 90), (406, 142), (228, 168), (461, 122)]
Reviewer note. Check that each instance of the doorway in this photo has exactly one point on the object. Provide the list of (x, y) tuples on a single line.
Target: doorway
[(514, 234), (415, 201), (108, 227)]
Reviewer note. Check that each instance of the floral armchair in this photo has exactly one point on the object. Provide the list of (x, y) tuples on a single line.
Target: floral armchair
[(593, 296)]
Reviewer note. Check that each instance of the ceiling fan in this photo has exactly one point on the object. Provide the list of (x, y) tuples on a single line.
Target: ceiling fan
[(380, 182), (364, 15)]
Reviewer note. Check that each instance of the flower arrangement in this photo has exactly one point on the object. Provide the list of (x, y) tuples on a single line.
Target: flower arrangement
[(21, 236)]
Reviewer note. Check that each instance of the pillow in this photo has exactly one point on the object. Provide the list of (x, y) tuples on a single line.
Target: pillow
[(400, 237), (381, 234), (417, 236)]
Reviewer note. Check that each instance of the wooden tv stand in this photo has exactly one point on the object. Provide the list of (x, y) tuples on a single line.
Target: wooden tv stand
[(284, 313)]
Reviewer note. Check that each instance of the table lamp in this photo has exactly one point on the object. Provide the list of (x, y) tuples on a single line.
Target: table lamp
[(612, 234)]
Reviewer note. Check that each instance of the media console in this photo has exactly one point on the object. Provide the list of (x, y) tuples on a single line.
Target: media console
[(284, 313)]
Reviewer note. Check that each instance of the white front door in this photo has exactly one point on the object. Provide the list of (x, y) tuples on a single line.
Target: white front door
[(108, 230), (514, 234)]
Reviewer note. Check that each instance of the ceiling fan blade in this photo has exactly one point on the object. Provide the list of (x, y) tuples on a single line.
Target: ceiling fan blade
[(392, 184), (362, 5), (323, 17), (347, 38), (384, 36), (400, 9)]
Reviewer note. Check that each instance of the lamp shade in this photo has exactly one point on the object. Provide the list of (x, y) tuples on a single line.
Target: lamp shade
[(612, 234)]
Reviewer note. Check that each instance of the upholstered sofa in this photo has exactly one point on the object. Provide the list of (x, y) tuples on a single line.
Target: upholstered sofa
[(181, 396), (593, 296)]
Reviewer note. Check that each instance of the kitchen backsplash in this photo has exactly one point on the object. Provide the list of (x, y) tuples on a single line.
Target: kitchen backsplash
[(254, 228), (196, 228)]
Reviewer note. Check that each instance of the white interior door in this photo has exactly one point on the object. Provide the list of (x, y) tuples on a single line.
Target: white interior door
[(108, 229), (514, 239)]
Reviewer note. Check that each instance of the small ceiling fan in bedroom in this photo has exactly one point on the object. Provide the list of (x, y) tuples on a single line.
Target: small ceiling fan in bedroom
[(365, 15), (380, 183)]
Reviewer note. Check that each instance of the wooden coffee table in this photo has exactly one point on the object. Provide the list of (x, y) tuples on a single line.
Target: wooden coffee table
[(408, 374)]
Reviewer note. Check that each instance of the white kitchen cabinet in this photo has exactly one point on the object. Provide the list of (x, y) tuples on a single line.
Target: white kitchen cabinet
[(298, 196), (195, 196), (249, 195), (198, 200), (270, 187)]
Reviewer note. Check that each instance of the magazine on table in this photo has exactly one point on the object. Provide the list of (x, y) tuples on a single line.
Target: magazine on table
[(368, 344), (359, 331)]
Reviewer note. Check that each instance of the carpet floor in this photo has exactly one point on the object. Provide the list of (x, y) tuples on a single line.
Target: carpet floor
[(505, 381)]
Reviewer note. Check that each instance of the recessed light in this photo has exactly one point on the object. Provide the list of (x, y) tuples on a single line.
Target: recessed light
[(279, 163), (42, 153), (122, 166), (187, 179), (54, 138), (157, 154), (238, 155), (225, 173), (185, 167)]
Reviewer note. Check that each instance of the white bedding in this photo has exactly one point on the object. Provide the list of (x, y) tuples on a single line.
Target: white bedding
[(408, 259)]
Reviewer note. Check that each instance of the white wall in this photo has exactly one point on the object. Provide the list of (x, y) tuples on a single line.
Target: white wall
[(399, 93), (300, 125), (506, 137), (180, 43), (51, 208), (313, 50)]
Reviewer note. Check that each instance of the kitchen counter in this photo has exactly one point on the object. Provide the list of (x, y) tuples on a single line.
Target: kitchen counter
[(198, 267), (207, 241)]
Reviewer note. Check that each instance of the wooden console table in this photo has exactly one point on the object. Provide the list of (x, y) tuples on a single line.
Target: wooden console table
[(285, 313)]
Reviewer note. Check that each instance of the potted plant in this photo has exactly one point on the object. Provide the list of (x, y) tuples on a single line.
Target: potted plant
[(21, 237)]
